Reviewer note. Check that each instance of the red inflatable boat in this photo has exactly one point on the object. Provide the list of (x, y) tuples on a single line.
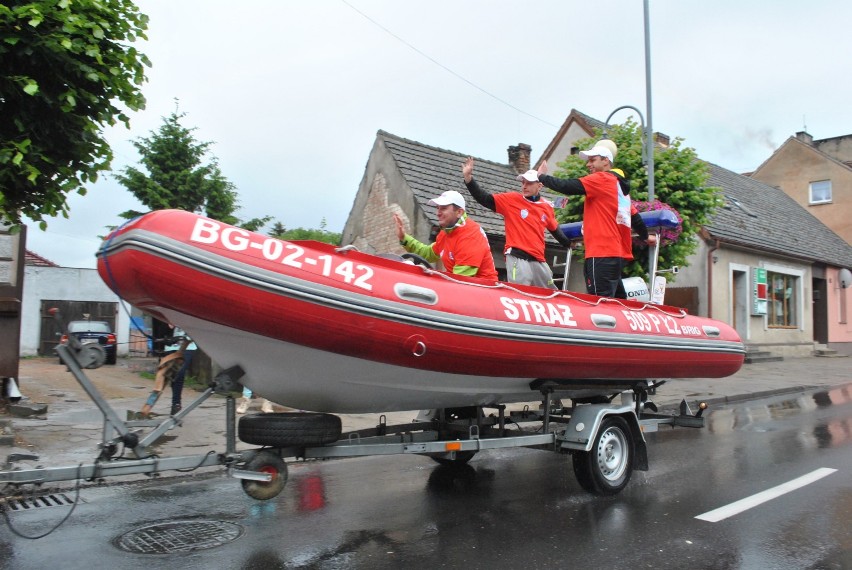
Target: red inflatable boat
[(331, 329)]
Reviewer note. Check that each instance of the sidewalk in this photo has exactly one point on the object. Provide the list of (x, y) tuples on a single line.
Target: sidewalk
[(72, 428)]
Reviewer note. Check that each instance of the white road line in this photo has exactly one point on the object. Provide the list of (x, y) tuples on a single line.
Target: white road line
[(736, 508)]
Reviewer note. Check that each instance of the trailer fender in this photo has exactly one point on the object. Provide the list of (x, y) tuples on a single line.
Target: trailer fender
[(585, 421)]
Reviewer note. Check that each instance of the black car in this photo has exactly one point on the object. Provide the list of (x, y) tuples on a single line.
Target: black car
[(93, 331)]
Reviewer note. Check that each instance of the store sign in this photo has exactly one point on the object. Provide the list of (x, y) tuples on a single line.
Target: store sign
[(659, 292), (758, 300)]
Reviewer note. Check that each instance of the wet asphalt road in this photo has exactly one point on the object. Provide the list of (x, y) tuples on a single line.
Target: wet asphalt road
[(507, 508)]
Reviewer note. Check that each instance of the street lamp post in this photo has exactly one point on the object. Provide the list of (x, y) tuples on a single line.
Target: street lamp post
[(648, 132), (649, 135)]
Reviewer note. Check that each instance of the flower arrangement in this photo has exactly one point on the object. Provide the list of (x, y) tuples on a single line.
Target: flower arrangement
[(667, 235)]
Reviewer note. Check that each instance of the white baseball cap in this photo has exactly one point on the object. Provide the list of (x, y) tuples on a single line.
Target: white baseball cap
[(529, 176), (596, 151), (447, 198)]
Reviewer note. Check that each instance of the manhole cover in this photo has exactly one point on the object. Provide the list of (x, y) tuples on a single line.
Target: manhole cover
[(178, 536)]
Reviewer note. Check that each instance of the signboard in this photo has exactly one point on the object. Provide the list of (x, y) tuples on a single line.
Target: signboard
[(659, 292), (759, 290)]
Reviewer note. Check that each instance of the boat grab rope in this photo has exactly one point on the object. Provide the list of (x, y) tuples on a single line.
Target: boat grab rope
[(501, 285)]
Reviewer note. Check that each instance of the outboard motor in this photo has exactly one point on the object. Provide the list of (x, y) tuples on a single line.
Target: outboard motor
[(636, 289)]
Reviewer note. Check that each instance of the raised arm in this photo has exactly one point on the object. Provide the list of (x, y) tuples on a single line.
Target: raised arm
[(483, 197)]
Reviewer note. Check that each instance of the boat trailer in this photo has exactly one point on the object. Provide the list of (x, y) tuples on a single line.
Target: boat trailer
[(603, 430)]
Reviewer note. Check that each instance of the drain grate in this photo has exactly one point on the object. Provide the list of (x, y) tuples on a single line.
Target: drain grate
[(178, 536), (27, 503)]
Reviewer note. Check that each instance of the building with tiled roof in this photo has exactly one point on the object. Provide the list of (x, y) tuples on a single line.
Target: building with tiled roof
[(35, 260), (817, 174)]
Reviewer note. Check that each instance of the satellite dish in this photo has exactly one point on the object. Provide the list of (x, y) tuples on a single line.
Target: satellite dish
[(845, 278)]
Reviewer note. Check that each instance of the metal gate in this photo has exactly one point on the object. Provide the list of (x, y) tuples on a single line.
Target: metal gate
[(71, 311)]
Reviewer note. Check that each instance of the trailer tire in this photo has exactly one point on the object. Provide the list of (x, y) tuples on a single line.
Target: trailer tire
[(289, 429), (265, 462), (607, 467)]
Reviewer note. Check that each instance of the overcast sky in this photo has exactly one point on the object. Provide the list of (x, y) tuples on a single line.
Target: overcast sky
[(293, 92)]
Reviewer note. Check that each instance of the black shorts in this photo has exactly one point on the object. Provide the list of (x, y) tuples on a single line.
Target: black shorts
[(603, 276)]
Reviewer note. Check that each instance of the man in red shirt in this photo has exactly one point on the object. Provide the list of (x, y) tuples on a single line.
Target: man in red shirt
[(526, 215), (606, 218), (461, 244)]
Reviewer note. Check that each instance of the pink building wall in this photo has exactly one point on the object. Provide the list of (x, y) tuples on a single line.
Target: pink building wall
[(839, 313)]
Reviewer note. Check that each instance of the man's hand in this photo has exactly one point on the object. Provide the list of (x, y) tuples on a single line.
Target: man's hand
[(400, 227), (542, 168), (652, 239), (467, 169)]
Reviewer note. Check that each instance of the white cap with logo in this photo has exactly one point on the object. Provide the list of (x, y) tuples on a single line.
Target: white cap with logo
[(447, 198), (529, 176), (596, 151)]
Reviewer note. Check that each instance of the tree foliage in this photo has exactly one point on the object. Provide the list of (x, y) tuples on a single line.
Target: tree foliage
[(321, 234), (65, 67), (176, 176), (679, 182)]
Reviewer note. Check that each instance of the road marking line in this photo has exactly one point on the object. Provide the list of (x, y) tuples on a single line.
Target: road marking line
[(737, 507)]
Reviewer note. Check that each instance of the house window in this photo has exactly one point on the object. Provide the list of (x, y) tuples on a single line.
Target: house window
[(820, 192), (782, 300)]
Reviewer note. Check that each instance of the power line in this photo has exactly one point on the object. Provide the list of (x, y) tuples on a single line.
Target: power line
[(445, 68)]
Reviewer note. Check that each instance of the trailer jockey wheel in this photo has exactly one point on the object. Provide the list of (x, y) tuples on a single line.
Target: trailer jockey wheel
[(91, 356), (265, 462)]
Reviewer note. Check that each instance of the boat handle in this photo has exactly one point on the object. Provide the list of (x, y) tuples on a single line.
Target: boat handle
[(603, 321), (415, 294)]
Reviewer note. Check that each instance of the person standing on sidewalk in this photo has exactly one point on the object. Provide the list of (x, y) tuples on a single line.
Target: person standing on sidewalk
[(526, 215), (177, 383)]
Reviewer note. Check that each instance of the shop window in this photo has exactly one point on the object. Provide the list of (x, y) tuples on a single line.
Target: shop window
[(782, 300)]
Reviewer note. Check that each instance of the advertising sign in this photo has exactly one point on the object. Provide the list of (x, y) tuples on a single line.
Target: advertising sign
[(759, 289)]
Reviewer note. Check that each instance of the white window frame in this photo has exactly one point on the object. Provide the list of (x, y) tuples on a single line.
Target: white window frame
[(811, 192)]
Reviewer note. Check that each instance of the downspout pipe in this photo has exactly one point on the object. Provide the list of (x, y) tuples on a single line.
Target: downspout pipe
[(710, 253)]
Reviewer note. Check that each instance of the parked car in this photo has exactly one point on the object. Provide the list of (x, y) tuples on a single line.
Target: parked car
[(93, 331)]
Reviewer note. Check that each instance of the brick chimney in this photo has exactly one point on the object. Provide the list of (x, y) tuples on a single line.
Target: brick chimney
[(519, 157), (805, 138), (662, 139)]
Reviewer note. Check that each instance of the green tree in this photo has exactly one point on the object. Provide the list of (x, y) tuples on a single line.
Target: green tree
[(65, 67), (177, 177), (679, 181), (323, 235)]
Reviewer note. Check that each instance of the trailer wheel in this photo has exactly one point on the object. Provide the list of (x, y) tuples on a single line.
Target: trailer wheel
[(289, 429), (607, 467), (265, 462), (462, 457)]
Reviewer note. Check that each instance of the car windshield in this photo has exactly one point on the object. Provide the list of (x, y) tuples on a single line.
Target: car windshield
[(88, 326)]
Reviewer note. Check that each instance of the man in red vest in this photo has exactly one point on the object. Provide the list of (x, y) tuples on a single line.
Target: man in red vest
[(461, 244)]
